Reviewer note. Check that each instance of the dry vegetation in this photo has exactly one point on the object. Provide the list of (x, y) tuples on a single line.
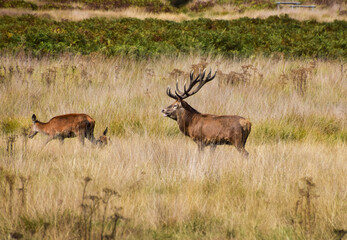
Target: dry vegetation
[(150, 182), (226, 12)]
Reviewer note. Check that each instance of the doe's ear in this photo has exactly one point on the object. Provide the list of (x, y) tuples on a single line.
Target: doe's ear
[(105, 132), (33, 117)]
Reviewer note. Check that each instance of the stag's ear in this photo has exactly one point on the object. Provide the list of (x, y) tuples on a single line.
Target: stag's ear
[(105, 132), (33, 117)]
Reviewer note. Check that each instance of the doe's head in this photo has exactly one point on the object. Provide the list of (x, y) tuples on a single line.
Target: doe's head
[(103, 140), (34, 129)]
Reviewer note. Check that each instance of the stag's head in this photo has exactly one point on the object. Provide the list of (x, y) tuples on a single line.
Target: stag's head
[(103, 140), (172, 111), (34, 129)]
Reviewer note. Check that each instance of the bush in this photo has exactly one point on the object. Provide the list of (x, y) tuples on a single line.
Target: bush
[(151, 37), (17, 4), (10, 125)]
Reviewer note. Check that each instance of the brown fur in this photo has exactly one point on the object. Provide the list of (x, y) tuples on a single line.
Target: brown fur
[(67, 126), (207, 129)]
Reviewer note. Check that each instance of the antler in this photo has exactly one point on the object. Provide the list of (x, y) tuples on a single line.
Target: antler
[(192, 82)]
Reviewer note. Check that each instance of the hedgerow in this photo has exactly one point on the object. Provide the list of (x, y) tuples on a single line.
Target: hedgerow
[(243, 37), (17, 4)]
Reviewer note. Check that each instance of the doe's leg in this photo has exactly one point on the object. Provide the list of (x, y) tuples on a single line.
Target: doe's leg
[(47, 141), (61, 140), (82, 140), (213, 147), (201, 146), (81, 137)]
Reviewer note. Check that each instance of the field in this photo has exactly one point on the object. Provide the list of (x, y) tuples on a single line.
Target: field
[(286, 74), (167, 189)]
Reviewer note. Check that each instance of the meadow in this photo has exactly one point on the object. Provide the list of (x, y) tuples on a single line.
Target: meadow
[(150, 182), (285, 70)]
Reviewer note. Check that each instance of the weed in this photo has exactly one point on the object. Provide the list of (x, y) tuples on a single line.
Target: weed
[(83, 216), (91, 205), (200, 5), (23, 190), (49, 77), (25, 134), (108, 193), (10, 145), (304, 209), (300, 77), (11, 180), (249, 73)]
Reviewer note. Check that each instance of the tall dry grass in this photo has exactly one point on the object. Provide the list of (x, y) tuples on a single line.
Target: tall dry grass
[(220, 12), (167, 189)]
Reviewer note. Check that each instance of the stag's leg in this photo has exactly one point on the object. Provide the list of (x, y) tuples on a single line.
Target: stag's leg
[(239, 142), (243, 151)]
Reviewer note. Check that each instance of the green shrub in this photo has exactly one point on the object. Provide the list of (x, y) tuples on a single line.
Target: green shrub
[(243, 37), (17, 4), (10, 125)]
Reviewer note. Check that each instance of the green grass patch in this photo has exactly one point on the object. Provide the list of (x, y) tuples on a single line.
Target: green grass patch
[(297, 128)]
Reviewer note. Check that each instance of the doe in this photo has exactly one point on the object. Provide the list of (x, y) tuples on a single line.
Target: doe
[(68, 126)]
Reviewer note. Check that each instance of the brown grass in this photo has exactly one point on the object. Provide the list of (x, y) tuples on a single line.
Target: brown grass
[(225, 12), (166, 188)]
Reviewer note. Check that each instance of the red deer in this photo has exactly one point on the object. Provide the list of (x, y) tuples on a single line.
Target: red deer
[(206, 129), (68, 126)]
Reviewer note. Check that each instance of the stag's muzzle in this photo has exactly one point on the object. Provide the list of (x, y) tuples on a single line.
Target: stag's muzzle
[(164, 112)]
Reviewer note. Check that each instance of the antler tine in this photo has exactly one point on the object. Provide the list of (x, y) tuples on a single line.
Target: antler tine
[(177, 90), (209, 78), (192, 83), (200, 80), (203, 81), (168, 92)]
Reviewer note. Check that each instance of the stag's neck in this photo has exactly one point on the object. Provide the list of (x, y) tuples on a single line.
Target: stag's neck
[(185, 118)]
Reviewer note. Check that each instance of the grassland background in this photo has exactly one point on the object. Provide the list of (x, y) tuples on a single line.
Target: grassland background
[(293, 185), (168, 190)]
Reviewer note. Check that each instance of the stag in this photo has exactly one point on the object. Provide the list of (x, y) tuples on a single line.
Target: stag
[(206, 129), (68, 126)]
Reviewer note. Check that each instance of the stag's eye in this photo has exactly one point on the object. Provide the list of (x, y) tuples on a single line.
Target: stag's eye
[(176, 105)]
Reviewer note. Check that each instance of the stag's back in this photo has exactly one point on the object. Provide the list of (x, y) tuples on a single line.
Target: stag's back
[(220, 128)]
